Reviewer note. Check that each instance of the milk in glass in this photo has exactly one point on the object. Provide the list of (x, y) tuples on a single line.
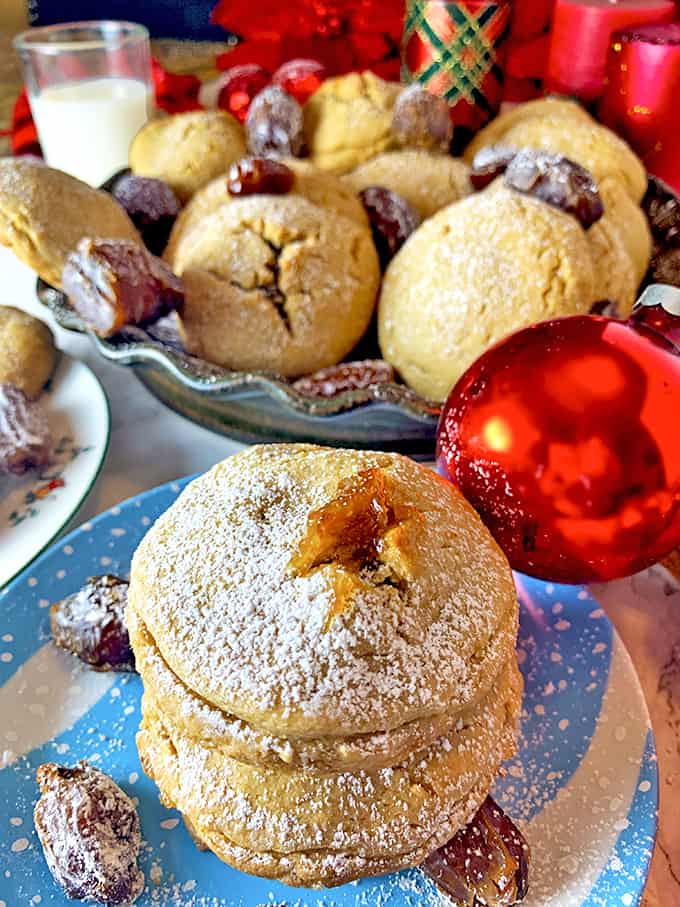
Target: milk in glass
[(86, 127)]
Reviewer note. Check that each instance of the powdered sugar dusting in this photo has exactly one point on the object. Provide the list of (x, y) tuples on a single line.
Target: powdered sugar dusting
[(214, 568)]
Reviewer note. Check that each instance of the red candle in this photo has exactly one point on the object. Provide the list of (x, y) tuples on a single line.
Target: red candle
[(643, 80), (581, 34), (663, 160)]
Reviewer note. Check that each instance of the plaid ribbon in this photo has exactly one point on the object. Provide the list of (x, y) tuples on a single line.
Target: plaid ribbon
[(453, 49)]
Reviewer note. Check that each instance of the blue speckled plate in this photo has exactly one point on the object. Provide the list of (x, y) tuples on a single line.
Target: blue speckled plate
[(583, 787)]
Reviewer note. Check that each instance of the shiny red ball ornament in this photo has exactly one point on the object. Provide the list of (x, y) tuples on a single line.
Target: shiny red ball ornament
[(300, 78), (565, 437), (240, 84)]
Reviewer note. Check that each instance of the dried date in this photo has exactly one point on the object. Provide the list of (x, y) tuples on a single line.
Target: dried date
[(555, 179), (90, 835), (392, 220), (112, 283), (347, 376), (485, 863), (259, 175), (422, 120), (24, 432), (490, 163), (152, 206), (90, 624), (274, 125)]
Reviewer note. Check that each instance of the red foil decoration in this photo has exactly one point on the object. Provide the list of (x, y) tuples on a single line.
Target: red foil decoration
[(344, 35), (455, 49), (527, 50), (640, 99), (564, 438), (580, 37)]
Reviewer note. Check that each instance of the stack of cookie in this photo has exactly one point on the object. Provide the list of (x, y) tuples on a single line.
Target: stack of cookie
[(326, 640)]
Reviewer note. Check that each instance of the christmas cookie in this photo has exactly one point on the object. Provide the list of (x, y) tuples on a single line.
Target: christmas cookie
[(349, 120), (494, 132), (304, 598), (476, 271), (27, 351), (595, 147), (187, 150), (45, 212), (318, 186), (427, 181), (275, 282)]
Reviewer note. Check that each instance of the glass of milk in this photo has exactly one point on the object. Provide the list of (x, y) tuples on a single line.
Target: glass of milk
[(90, 90)]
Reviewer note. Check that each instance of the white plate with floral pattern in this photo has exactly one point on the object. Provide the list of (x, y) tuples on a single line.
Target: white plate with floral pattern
[(36, 507)]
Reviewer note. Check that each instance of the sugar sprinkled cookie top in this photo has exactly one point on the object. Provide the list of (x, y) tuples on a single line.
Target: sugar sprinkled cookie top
[(333, 647)]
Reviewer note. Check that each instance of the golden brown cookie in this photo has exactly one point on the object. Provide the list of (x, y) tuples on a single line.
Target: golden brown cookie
[(349, 120), (488, 265), (187, 150), (295, 614), (275, 282), (231, 539), (632, 224), (45, 212), (318, 186), (312, 828), (494, 132), (426, 180), (27, 351), (194, 716)]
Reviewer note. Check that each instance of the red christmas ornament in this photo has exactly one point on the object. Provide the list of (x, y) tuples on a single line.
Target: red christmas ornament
[(564, 438), (240, 85), (300, 78)]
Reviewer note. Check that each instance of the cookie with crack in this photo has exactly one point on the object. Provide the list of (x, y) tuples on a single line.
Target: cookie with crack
[(427, 181), (275, 283), (187, 150), (349, 120), (45, 212), (318, 186), (488, 265), (388, 636)]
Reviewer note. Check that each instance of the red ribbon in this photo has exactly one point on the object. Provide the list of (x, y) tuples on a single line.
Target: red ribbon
[(344, 35)]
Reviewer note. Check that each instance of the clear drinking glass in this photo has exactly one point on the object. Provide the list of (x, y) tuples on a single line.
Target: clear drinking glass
[(90, 90)]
